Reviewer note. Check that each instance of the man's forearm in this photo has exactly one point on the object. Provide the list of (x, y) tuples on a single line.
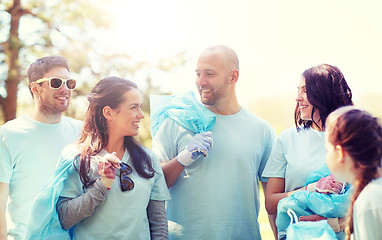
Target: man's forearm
[(4, 190), (171, 170), (3, 226)]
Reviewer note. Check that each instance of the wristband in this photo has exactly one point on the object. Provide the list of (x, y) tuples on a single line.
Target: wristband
[(177, 159), (185, 158), (108, 182)]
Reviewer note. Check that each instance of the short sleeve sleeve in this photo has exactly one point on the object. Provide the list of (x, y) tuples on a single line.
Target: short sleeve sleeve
[(267, 151), (159, 191), (6, 162), (170, 139), (276, 164), (72, 186)]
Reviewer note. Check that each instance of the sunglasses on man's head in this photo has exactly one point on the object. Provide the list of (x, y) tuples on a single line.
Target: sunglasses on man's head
[(56, 83), (126, 182)]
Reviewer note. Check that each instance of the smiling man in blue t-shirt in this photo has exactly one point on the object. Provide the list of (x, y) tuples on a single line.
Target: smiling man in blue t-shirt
[(214, 176), (30, 145)]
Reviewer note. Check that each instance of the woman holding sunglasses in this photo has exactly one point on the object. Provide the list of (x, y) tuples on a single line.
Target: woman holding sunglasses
[(118, 190)]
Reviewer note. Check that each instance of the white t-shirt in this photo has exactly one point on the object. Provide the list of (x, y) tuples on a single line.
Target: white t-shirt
[(217, 197), (29, 151), (367, 212), (295, 155)]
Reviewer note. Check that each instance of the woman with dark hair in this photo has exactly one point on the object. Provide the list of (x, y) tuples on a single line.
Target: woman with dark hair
[(299, 151), (118, 190), (324, 89), (354, 145)]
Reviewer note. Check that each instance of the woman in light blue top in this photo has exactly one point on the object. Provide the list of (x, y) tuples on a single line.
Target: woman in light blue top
[(299, 151), (354, 145), (118, 190)]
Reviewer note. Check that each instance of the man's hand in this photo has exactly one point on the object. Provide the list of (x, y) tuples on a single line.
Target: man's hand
[(199, 145), (326, 185), (106, 168)]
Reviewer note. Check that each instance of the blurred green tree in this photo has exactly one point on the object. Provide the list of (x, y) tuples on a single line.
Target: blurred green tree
[(30, 29)]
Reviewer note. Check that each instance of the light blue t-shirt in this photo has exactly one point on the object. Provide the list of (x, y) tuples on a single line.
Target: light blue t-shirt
[(367, 212), (218, 197), (295, 155), (29, 151), (121, 215)]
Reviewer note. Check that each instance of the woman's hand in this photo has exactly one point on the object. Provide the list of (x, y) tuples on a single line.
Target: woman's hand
[(106, 168), (326, 185)]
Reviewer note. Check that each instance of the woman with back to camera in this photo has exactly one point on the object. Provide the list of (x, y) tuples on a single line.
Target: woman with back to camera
[(118, 190), (354, 145), (300, 151)]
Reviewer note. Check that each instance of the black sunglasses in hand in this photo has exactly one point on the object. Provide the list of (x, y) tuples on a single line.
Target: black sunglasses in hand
[(126, 182)]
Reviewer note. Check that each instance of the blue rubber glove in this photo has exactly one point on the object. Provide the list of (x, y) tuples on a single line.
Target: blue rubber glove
[(200, 144)]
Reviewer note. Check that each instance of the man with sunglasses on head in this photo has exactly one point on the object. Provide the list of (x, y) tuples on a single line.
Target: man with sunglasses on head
[(30, 145), (214, 176)]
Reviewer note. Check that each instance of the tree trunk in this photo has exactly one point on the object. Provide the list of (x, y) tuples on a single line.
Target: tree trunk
[(12, 51)]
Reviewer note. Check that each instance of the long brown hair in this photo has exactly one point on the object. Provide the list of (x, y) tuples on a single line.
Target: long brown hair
[(360, 135), (108, 92), (326, 90)]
